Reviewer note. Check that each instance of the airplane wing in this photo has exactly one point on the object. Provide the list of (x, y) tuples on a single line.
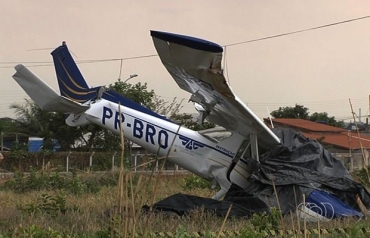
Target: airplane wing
[(43, 95), (195, 64)]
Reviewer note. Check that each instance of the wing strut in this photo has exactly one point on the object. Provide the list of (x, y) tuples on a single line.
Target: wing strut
[(252, 144), (242, 149)]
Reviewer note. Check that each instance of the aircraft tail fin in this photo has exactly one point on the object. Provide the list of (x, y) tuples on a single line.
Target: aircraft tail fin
[(72, 84), (43, 95)]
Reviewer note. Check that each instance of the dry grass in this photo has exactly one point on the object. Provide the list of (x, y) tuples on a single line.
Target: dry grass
[(89, 213), (92, 213)]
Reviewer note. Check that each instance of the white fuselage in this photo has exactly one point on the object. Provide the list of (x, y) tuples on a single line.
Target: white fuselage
[(182, 146)]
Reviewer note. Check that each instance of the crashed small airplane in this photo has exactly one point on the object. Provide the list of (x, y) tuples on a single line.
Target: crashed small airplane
[(195, 65), (229, 157)]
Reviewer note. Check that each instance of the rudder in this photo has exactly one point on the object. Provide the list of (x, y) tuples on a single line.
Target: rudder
[(72, 84)]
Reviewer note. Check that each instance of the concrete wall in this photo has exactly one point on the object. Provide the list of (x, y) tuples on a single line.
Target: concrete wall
[(354, 160)]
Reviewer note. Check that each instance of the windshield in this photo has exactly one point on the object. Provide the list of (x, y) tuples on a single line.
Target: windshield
[(215, 134)]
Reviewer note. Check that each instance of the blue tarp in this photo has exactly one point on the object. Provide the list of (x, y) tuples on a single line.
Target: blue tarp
[(329, 206), (35, 145)]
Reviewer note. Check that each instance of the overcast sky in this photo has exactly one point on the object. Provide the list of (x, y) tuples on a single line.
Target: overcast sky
[(320, 69)]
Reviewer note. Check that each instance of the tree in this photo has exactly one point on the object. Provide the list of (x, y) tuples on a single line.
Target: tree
[(47, 125), (9, 125), (167, 108), (136, 92), (323, 117), (187, 121), (299, 111)]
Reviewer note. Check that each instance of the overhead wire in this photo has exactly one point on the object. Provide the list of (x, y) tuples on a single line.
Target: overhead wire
[(298, 31), (49, 63), (232, 44)]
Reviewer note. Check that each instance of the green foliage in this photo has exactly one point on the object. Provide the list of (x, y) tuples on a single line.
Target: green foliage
[(323, 117), (48, 125), (188, 121), (299, 111), (52, 205), (19, 146), (265, 221), (38, 181), (262, 223), (35, 231), (18, 154), (56, 161), (107, 233), (8, 125), (181, 232), (165, 108), (138, 92), (251, 232), (363, 176), (193, 181), (355, 230)]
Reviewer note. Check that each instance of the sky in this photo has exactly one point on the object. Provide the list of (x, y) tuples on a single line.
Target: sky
[(321, 69)]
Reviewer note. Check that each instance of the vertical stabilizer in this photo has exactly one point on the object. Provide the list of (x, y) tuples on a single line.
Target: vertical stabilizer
[(72, 84)]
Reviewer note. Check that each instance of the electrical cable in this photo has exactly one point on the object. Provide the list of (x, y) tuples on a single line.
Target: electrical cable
[(299, 31)]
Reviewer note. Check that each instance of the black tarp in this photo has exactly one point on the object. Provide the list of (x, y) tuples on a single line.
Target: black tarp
[(295, 167)]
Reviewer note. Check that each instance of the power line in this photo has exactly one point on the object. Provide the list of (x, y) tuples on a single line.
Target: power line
[(47, 63), (299, 31)]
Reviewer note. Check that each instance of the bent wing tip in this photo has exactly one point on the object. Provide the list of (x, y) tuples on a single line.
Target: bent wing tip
[(19, 67)]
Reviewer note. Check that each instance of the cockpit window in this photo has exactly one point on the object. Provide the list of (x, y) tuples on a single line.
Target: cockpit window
[(216, 134)]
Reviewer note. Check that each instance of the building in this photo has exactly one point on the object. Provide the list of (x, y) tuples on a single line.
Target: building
[(349, 146)]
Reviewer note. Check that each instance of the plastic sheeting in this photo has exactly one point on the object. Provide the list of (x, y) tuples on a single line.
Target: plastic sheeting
[(292, 169), (329, 206)]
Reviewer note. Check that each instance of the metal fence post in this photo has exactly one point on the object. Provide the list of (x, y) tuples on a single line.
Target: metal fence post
[(67, 165), (114, 154), (135, 161), (90, 162)]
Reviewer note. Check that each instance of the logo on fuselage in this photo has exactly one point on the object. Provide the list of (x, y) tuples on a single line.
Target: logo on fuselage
[(189, 143)]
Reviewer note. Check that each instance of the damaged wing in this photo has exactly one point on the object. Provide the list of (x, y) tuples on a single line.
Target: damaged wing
[(195, 64)]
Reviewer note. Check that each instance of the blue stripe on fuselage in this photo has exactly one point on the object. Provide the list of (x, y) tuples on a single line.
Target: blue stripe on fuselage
[(112, 96)]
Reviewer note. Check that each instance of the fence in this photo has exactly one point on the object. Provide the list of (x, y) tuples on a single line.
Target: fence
[(103, 161), (67, 161), (352, 161)]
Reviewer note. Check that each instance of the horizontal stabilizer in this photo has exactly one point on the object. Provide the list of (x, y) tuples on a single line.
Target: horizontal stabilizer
[(43, 95)]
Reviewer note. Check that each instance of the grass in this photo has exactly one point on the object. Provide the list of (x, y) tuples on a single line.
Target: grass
[(61, 212), (85, 212)]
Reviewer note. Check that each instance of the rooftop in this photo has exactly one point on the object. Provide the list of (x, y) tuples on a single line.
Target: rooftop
[(338, 137)]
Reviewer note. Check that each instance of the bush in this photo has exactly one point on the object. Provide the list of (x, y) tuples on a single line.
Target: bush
[(52, 205), (193, 181), (38, 181)]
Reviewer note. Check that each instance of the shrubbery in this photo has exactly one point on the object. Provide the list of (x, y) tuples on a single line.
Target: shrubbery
[(193, 181), (75, 184)]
